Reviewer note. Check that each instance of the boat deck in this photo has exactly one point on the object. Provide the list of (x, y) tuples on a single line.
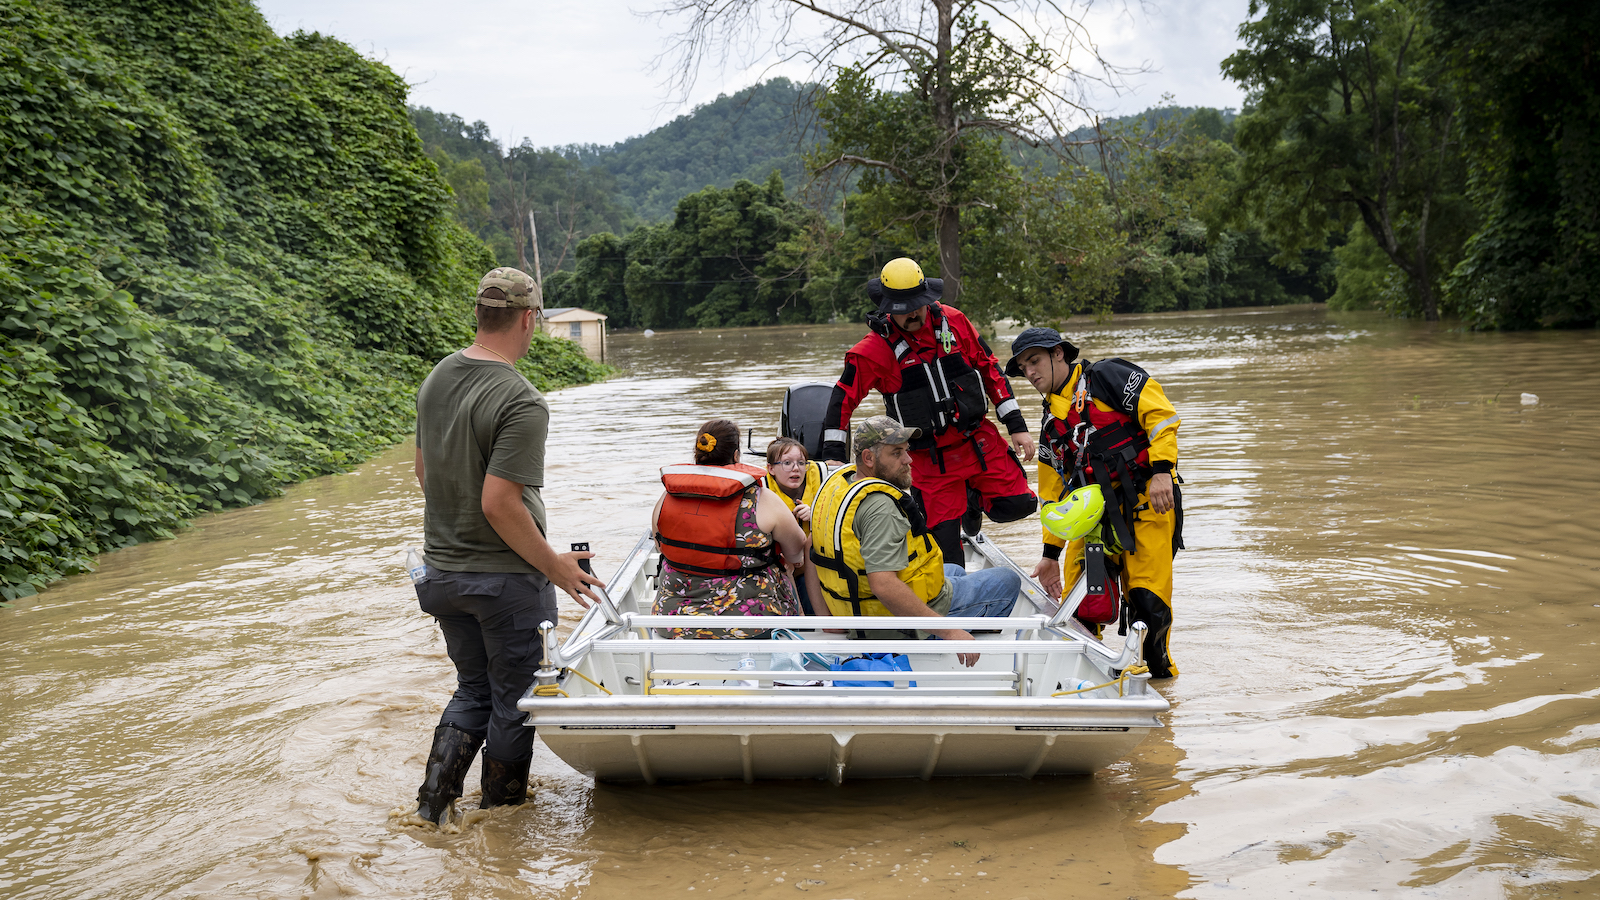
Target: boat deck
[(623, 703)]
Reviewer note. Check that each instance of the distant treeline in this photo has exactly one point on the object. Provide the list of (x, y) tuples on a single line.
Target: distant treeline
[(225, 264), (743, 250)]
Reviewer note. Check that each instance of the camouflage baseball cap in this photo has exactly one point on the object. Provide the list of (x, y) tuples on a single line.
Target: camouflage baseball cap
[(508, 287), (875, 430)]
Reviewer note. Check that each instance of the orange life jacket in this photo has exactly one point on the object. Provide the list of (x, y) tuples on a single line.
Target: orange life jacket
[(697, 527)]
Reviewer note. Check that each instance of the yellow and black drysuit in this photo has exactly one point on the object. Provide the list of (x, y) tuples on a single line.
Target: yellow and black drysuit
[(836, 548), (1110, 423), (815, 476)]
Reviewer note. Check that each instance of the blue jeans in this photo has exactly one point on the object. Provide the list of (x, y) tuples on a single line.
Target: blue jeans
[(986, 592)]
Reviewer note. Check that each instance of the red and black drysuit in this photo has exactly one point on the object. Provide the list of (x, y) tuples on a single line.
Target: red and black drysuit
[(940, 379)]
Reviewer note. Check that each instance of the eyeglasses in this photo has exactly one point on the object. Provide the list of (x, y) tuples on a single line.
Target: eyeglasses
[(788, 464)]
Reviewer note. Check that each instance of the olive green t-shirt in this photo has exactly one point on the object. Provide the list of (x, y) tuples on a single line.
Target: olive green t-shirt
[(474, 417), (882, 527)]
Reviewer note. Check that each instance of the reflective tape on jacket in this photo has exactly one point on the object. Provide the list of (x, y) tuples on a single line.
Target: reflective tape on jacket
[(711, 482), (938, 391)]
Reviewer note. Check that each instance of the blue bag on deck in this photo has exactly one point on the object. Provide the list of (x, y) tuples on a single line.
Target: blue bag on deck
[(872, 662)]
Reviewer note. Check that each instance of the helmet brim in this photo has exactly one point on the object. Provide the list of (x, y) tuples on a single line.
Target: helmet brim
[(904, 302)]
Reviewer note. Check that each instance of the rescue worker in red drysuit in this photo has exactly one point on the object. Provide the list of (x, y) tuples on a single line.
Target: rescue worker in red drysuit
[(934, 372), (1108, 423)]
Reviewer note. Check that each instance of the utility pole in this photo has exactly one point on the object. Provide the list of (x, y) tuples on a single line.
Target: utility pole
[(533, 230)]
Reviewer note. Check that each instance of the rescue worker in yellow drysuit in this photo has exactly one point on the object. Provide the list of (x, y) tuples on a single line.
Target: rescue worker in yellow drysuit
[(1109, 424)]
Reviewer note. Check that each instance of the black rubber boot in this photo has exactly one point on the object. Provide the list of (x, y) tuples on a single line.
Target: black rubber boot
[(504, 783), (972, 519), (448, 761), (947, 535), (1157, 616)]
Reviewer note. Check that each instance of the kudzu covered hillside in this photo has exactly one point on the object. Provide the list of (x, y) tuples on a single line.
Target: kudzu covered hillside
[(225, 265)]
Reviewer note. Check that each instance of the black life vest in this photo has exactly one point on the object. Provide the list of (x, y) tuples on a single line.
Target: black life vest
[(939, 389), (1096, 446)]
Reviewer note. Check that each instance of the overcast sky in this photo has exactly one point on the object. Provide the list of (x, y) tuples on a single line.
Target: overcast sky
[(579, 71)]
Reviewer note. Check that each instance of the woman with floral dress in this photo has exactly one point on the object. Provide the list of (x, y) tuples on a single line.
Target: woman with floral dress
[(719, 530)]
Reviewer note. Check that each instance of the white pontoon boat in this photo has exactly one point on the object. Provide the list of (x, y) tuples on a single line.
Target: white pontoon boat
[(620, 702)]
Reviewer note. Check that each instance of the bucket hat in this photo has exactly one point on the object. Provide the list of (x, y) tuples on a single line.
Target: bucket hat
[(1041, 338)]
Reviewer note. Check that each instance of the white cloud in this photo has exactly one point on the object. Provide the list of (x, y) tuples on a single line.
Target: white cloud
[(562, 71), (1181, 42)]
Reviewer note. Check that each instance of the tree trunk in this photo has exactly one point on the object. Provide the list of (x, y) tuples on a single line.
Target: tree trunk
[(950, 251), (521, 237), (1430, 303), (1375, 216), (533, 229), (947, 216)]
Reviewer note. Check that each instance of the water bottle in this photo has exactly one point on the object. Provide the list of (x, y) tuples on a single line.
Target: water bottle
[(415, 567), (1076, 684), (747, 664)]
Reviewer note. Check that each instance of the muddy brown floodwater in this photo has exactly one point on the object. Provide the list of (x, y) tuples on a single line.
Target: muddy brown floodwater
[(1386, 623)]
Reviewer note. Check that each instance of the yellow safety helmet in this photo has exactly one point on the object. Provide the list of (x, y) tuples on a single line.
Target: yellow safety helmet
[(901, 287), (902, 274), (1076, 514)]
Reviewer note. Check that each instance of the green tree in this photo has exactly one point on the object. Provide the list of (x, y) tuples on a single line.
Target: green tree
[(730, 256), (1167, 185), (496, 189), (1349, 121), (1529, 74), (962, 73)]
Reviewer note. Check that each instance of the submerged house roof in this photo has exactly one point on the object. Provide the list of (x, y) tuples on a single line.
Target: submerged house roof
[(573, 314)]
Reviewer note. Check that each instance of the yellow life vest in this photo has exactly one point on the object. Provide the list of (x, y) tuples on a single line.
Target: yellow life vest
[(815, 475), (836, 549)]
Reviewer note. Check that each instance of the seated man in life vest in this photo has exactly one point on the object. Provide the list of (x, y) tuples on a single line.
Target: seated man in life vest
[(720, 530), (874, 555)]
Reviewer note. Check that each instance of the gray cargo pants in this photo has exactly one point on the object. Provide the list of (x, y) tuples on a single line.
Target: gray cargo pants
[(491, 629)]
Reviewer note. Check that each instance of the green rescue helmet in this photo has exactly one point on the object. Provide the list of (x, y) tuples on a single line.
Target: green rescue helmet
[(1076, 514)]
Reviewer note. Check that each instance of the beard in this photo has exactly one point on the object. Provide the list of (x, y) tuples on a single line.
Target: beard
[(900, 479)]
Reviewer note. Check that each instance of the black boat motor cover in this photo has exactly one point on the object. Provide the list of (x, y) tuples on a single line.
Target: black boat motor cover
[(804, 406)]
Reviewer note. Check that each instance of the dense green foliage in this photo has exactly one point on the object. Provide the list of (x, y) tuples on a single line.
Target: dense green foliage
[(1451, 146), (1167, 184), (732, 256), (743, 136), (1528, 73), (225, 263), (495, 189), (1128, 235), (1349, 124), (1426, 157)]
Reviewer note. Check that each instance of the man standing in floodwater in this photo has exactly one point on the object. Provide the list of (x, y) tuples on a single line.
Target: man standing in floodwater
[(1108, 429), (491, 575)]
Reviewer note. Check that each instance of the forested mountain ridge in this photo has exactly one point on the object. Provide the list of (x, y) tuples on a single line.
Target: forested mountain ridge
[(746, 135), (225, 265), (795, 264)]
